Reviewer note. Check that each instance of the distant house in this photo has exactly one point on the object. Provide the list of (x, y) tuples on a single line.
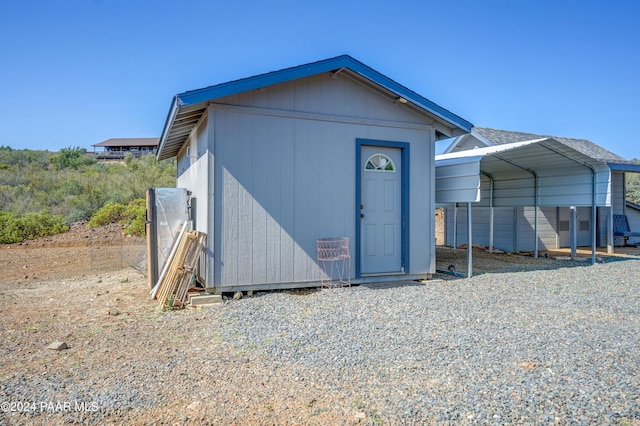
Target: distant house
[(116, 148), (534, 192), (277, 161)]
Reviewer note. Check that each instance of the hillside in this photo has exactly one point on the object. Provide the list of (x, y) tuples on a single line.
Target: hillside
[(68, 186)]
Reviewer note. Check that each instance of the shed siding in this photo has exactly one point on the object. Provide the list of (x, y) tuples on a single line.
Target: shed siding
[(194, 172), (284, 182), (336, 96)]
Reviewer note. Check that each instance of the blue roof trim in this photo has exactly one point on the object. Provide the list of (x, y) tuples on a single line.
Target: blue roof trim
[(632, 205), (345, 61), (624, 167)]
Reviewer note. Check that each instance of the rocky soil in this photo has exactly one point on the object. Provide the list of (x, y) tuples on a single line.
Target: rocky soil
[(525, 341)]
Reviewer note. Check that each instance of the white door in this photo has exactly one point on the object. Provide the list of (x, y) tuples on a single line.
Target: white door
[(381, 210)]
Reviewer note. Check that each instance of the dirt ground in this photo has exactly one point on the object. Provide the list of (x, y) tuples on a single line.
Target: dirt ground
[(87, 288)]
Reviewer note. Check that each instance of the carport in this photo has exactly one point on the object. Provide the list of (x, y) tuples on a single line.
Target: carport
[(534, 173)]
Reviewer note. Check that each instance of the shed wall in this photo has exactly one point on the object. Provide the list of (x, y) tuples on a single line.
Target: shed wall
[(282, 168), (284, 183)]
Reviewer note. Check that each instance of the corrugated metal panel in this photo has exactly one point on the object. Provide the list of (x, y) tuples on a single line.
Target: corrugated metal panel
[(458, 180), (564, 174)]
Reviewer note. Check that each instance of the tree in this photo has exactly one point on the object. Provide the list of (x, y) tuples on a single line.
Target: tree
[(71, 158)]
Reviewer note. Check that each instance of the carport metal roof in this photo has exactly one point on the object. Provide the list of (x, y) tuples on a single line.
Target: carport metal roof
[(540, 172)]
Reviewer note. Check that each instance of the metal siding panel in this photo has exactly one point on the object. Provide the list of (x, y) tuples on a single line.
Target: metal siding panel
[(617, 192), (503, 226), (457, 182), (546, 229)]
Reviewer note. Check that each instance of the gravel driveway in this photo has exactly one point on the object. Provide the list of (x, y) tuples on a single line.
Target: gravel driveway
[(536, 347)]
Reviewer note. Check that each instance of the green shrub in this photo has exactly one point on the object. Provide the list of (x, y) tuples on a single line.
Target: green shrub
[(107, 214), (135, 217), (72, 158), (15, 228)]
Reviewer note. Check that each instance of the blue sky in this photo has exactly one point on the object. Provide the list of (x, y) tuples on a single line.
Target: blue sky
[(77, 72)]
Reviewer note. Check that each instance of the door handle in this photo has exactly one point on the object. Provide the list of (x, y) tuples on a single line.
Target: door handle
[(361, 215)]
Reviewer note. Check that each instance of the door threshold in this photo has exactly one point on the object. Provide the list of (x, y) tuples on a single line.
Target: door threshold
[(383, 274)]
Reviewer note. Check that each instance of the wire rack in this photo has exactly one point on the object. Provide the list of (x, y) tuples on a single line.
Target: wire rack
[(333, 254)]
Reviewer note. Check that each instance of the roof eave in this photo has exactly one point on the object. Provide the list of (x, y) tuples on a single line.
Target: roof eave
[(171, 116), (624, 167)]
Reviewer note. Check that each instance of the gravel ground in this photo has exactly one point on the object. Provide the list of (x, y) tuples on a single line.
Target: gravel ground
[(544, 346), (537, 347)]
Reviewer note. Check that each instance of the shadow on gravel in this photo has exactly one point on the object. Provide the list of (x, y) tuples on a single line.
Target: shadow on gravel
[(393, 284), (484, 262)]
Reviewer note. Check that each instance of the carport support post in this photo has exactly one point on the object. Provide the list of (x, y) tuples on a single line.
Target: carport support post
[(469, 243), (491, 217), (455, 225), (610, 231), (593, 217), (574, 236)]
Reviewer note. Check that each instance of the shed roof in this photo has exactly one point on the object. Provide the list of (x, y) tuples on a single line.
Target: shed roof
[(128, 142), (187, 108)]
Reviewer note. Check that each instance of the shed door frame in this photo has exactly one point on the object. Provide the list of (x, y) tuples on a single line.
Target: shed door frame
[(404, 150)]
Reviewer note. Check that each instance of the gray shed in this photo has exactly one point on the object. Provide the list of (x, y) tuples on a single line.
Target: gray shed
[(278, 161)]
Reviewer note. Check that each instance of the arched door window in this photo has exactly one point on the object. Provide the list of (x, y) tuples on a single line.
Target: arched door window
[(381, 163)]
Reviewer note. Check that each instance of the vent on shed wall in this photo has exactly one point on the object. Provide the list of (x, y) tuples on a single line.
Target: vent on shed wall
[(564, 225), (584, 225)]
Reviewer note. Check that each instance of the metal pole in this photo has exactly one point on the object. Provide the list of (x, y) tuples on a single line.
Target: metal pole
[(455, 225), (469, 242), (593, 217), (535, 219), (574, 237), (491, 217)]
